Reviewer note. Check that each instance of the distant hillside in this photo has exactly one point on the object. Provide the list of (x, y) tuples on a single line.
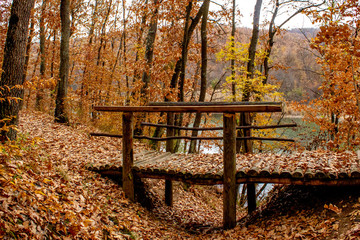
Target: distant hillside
[(294, 63)]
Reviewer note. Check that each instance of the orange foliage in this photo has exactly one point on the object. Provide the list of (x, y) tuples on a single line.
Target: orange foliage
[(337, 110)]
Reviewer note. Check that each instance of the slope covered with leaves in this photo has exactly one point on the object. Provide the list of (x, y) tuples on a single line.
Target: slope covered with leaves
[(46, 193)]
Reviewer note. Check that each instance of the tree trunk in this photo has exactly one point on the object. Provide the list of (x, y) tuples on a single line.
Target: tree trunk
[(137, 73), (28, 46), (252, 51), (149, 51), (27, 56), (12, 76), (53, 54), (40, 91), (232, 62), (180, 67), (203, 71), (188, 31), (60, 108), (84, 88), (100, 63), (245, 118), (270, 43), (128, 93)]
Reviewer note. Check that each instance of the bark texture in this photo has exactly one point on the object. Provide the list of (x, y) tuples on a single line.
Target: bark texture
[(149, 52), (12, 76), (203, 72), (60, 108)]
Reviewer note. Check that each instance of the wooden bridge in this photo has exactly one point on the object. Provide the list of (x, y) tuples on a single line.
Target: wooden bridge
[(306, 168)]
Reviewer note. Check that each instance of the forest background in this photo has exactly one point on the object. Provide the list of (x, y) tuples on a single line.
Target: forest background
[(63, 57), (133, 53)]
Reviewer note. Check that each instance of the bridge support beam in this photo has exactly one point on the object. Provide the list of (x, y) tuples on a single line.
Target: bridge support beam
[(251, 197), (169, 148), (128, 155), (169, 193), (229, 189)]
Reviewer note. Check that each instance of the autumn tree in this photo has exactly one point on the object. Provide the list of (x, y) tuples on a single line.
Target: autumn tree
[(11, 92), (5, 7), (337, 110), (203, 74), (40, 91), (60, 109)]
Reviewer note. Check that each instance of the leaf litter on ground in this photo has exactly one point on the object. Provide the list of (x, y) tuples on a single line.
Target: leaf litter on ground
[(47, 193)]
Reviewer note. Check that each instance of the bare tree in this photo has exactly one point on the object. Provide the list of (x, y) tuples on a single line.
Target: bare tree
[(273, 29)]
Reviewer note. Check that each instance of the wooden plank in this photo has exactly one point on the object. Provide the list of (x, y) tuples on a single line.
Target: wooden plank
[(207, 180), (180, 177), (309, 173), (265, 172), (276, 172), (141, 155), (191, 138), (170, 126), (128, 157), (321, 175), (152, 159), (140, 159), (303, 182), (285, 174), (268, 126), (196, 108), (298, 173), (355, 171), (229, 188), (212, 179), (210, 103), (112, 173)]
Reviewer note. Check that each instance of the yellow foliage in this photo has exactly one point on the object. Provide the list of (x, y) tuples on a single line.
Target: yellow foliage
[(258, 90)]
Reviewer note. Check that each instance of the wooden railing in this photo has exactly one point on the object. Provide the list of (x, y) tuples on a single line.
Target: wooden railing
[(229, 141)]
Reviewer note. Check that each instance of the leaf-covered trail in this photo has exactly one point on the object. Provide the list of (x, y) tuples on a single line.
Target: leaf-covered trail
[(46, 193)]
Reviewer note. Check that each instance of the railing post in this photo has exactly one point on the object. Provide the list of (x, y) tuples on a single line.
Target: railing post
[(169, 148), (128, 155), (229, 188)]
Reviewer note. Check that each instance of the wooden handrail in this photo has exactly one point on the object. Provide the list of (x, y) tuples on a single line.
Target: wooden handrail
[(180, 127), (193, 108), (211, 103), (190, 138), (217, 128)]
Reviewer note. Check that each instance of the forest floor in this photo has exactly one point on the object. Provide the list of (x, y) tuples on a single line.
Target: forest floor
[(47, 193)]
